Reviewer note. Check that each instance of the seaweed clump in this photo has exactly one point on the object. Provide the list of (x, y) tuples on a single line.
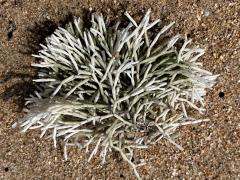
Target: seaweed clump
[(115, 89)]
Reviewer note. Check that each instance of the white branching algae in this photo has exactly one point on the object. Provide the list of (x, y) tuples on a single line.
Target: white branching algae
[(115, 89)]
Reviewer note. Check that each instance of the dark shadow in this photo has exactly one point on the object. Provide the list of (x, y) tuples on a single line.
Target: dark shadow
[(17, 91), (11, 75), (37, 33)]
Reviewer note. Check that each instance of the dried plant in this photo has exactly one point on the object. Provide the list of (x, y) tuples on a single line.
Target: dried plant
[(109, 88)]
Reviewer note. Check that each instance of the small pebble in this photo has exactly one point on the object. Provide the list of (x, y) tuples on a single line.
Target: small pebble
[(206, 13)]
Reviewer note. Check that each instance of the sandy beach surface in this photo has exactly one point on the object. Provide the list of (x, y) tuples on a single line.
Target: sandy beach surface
[(211, 150)]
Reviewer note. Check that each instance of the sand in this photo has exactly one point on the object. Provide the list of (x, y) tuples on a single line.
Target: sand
[(211, 150)]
